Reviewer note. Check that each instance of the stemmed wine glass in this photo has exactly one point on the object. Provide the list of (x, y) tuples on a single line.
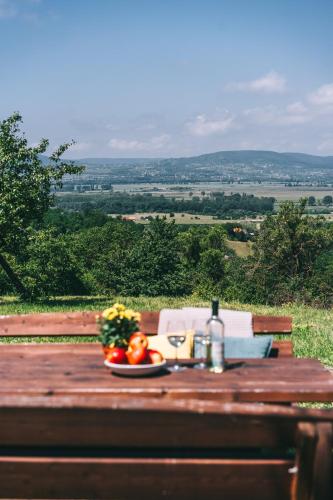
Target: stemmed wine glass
[(176, 332)]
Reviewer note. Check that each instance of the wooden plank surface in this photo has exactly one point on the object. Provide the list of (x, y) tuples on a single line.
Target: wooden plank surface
[(97, 422), (125, 479), (77, 369), (84, 323), (272, 324)]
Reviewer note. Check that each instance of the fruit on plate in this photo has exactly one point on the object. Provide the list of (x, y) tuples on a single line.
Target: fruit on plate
[(138, 339), (154, 356), (117, 355), (137, 356)]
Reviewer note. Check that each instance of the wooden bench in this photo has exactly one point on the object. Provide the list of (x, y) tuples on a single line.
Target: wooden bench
[(106, 448), (84, 324)]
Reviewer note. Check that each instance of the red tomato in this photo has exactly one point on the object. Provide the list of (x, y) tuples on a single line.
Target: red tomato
[(117, 355), (137, 356), (138, 339), (155, 356)]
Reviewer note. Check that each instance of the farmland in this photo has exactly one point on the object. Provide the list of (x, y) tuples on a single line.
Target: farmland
[(277, 190)]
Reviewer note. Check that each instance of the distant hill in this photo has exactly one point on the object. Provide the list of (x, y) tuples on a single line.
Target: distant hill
[(244, 165)]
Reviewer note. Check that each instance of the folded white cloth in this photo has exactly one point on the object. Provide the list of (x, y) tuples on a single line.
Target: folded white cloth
[(237, 323)]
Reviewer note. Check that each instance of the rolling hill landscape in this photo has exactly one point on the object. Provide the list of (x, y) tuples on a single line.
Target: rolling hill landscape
[(222, 166)]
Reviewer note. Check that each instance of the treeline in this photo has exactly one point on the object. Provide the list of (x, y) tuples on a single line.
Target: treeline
[(89, 253), (216, 204)]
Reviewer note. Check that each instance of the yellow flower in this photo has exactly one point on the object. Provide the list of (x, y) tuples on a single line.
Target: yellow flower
[(112, 315), (106, 313), (137, 317), (119, 307), (119, 312)]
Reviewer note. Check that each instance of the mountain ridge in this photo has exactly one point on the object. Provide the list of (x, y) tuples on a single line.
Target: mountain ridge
[(221, 166)]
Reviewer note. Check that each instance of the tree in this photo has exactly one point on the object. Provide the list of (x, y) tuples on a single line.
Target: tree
[(154, 266), (286, 250), (52, 269), (311, 201), (26, 183), (328, 200)]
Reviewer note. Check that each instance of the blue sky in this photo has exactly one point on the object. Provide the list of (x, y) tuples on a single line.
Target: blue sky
[(127, 78)]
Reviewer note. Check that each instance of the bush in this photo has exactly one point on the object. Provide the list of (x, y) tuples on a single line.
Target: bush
[(51, 268)]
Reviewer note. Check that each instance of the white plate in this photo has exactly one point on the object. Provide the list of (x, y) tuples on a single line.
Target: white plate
[(135, 370)]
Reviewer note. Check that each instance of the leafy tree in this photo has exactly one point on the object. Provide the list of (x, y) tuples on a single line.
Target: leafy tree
[(311, 201), (328, 200), (26, 184), (51, 269), (286, 250), (154, 266)]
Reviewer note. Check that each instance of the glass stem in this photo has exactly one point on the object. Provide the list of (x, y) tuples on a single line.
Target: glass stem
[(176, 348)]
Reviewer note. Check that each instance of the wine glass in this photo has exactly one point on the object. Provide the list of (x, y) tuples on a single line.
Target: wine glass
[(201, 342), (176, 332)]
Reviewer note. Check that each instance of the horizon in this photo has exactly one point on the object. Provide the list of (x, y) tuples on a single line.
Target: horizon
[(160, 80), (200, 154)]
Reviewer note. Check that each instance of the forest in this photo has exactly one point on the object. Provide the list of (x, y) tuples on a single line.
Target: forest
[(216, 203)]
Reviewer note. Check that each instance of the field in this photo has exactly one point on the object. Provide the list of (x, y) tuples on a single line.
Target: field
[(312, 328), (186, 219), (241, 248), (276, 190)]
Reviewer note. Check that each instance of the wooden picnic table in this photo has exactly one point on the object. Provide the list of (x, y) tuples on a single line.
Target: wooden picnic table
[(78, 370)]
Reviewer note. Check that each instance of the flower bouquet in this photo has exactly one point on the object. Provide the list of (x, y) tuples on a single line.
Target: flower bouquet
[(121, 339)]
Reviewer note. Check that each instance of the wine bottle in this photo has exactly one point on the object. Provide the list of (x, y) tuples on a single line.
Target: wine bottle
[(215, 332)]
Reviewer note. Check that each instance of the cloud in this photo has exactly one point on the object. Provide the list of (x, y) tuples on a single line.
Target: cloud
[(297, 108), (270, 83), (294, 114), (323, 95), (201, 126), (154, 144)]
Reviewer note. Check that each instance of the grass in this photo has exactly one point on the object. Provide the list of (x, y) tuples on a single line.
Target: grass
[(312, 328), (241, 248)]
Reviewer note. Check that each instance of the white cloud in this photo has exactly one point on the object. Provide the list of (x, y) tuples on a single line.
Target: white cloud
[(202, 126), (297, 108), (294, 114), (323, 95), (270, 83), (153, 144)]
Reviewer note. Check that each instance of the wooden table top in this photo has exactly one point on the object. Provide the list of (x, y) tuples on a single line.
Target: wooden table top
[(78, 370)]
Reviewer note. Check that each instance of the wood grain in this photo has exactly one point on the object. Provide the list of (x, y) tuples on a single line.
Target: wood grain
[(126, 479), (77, 369), (84, 323), (79, 447)]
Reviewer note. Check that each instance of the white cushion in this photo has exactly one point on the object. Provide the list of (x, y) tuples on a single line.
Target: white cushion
[(237, 323)]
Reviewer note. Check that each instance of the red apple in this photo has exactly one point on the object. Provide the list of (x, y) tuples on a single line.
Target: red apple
[(138, 339), (117, 355), (137, 356), (155, 356)]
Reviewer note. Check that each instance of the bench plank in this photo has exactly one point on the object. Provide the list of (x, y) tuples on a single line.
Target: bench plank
[(188, 460), (125, 479), (84, 324)]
